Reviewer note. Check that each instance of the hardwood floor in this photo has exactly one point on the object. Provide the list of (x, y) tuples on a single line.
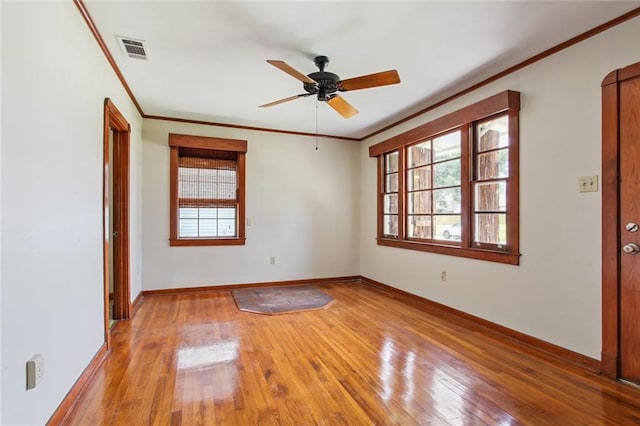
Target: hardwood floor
[(368, 358)]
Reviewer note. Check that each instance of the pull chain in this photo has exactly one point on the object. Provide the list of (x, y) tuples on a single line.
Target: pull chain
[(316, 126)]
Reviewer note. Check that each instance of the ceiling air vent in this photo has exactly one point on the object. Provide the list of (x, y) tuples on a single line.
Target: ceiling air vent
[(132, 47)]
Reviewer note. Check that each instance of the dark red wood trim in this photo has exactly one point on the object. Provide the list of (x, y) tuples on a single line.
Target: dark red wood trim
[(207, 142), (495, 104), (78, 387), (379, 195), (469, 253), (259, 129), (540, 56), (227, 287), (135, 305), (96, 34), (181, 242), (610, 355), (538, 345), (466, 148), (173, 193), (513, 199), (626, 73), (120, 169), (242, 207)]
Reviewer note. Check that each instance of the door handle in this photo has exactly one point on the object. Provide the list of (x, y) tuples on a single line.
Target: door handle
[(631, 248)]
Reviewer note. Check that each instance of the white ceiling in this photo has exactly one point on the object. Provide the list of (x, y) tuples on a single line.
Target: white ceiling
[(207, 60)]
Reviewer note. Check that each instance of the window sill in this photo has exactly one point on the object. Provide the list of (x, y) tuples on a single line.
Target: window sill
[(183, 242), (470, 253)]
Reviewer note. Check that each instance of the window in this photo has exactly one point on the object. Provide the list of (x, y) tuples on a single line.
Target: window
[(451, 186), (207, 190)]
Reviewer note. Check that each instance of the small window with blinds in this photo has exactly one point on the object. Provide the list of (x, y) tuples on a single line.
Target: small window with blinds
[(207, 190)]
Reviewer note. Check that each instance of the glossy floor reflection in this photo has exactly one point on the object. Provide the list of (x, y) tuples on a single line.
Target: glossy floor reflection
[(367, 359)]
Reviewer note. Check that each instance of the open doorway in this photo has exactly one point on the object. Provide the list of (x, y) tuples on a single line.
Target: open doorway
[(117, 294)]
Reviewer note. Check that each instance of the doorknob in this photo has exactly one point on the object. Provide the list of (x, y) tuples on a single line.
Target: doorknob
[(631, 248), (115, 234)]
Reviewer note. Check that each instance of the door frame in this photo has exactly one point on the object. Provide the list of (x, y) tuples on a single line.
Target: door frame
[(611, 273), (115, 122)]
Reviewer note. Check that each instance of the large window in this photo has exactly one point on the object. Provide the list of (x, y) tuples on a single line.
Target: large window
[(207, 190), (451, 186)]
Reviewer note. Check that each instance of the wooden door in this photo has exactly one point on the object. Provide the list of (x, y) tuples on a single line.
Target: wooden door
[(629, 93), (116, 138), (621, 224)]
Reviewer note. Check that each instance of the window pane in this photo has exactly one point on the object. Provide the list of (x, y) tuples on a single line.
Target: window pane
[(226, 228), (391, 162), (391, 184), (494, 164), (188, 213), (419, 227), (391, 203), (227, 213), (491, 196), (207, 228), (447, 200), (188, 228), (208, 213), (493, 134), (446, 174), (419, 178), (447, 228), (419, 202), (420, 154), (446, 146), (490, 228), (390, 225)]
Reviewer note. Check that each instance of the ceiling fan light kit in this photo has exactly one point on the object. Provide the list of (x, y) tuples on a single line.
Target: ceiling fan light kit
[(325, 84)]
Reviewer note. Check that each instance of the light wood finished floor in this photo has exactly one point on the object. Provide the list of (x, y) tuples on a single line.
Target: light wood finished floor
[(369, 358)]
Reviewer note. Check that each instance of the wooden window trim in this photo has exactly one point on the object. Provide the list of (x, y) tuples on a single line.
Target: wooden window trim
[(463, 119), (177, 141)]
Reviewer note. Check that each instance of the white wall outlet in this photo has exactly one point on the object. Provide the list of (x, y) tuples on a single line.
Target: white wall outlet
[(589, 183), (272, 260), (443, 276), (35, 370)]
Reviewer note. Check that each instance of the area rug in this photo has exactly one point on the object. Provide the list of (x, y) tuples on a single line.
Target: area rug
[(280, 300)]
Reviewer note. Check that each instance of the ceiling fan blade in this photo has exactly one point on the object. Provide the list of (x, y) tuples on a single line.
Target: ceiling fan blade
[(283, 66), (342, 107), (281, 101), (371, 80)]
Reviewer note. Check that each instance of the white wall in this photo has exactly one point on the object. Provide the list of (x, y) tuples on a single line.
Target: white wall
[(54, 81), (555, 292), (303, 205)]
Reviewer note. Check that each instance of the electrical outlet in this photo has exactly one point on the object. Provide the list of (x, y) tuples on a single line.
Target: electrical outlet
[(589, 183), (35, 371), (443, 276), (272, 260)]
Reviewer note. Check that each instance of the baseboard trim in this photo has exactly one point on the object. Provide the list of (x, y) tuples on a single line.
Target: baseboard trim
[(575, 358), (135, 305), (227, 287), (78, 387)]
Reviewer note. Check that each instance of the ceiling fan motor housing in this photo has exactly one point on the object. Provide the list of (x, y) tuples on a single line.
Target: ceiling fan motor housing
[(327, 82)]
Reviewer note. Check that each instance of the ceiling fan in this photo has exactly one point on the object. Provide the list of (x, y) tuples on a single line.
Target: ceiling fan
[(325, 85)]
